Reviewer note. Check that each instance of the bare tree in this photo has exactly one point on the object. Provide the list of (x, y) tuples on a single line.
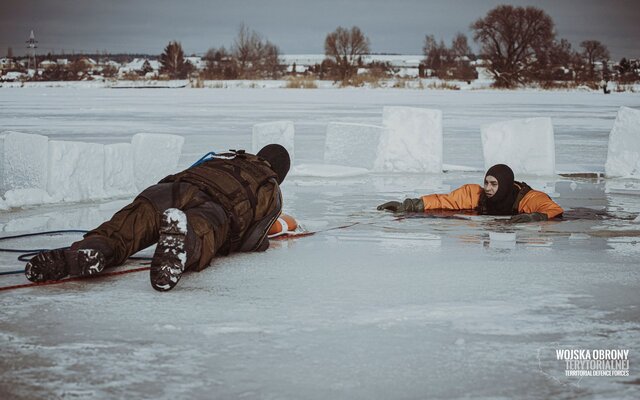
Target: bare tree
[(460, 45), (558, 62), (346, 48), (109, 71), (220, 65), (511, 37), (271, 64), (172, 61), (245, 49), (448, 63), (592, 51), (256, 56), (435, 53)]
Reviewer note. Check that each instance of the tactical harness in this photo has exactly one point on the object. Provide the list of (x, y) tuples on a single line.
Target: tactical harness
[(233, 180)]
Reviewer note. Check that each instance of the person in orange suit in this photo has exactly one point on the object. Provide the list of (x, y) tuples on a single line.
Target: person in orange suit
[(500, 195)]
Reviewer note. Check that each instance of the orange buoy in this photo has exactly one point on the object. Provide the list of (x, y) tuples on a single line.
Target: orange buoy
[(285, 223)]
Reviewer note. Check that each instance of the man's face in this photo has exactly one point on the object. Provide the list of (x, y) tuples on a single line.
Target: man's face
[(490, 186)]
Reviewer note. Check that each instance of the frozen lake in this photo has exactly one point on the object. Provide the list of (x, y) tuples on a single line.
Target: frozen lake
[(388, 308)]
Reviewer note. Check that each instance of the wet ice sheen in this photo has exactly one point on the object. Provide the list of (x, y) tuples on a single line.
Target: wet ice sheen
[(388, 308)]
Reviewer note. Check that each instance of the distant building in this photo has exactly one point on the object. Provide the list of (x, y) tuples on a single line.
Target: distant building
[(12, 76), (407, 65), (197, 62), (138, 65), (47, 64), (89, 62)]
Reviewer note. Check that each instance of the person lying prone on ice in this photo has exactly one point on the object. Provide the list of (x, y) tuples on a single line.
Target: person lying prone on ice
[(229, 203), (501, 195)]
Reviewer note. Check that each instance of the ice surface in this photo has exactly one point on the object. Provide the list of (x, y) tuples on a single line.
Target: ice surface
[(118, 169), (76, 170), (526, 145), (280, 132), (326, 171), (388, 308), (154, 157), (23, 161), (353, 145), (26, 197), (623, 156), (502, 236), (412, 141), (623, 186)]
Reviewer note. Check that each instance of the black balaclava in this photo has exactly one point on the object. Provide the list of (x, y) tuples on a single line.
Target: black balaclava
[(502, 202), (278, 157)]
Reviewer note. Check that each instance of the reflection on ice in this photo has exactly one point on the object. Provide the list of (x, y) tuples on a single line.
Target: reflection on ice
[(502, 240), (393, 306), (621, 246)]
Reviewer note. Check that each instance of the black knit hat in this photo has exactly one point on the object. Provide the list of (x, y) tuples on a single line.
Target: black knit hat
[(278, 157)]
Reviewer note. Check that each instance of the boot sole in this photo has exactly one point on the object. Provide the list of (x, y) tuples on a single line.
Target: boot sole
[(47, 266), (56, 264), (170, 257)]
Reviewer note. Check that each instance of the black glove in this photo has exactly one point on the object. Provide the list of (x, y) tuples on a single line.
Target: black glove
[(391, 206), (409, 205), (533, 217)]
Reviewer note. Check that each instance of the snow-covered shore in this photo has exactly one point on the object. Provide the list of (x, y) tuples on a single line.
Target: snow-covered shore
[(391, 83)]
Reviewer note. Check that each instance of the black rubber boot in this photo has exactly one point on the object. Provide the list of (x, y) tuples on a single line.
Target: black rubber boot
[(56, 264), (170, 256)]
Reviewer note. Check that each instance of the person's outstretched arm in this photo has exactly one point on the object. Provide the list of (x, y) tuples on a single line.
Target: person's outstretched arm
[(465, 197)]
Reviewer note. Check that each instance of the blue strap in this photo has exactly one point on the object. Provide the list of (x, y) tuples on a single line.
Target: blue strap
[(204, 158)]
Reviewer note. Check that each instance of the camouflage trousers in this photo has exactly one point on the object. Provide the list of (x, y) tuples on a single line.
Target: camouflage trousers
[(135, 227)]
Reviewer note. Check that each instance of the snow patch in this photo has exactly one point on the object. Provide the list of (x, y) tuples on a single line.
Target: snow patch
[(177, 216)]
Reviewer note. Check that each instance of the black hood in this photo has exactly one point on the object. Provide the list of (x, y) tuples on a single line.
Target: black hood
[(278, 158), (501, 203)]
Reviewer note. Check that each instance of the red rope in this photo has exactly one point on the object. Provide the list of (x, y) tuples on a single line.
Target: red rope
[(128, 271), (75, 278)]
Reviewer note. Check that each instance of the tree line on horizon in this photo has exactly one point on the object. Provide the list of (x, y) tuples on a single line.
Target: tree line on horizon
[(518, 46)]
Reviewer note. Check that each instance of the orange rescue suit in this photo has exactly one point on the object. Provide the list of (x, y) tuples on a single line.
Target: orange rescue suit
[(467, 197)]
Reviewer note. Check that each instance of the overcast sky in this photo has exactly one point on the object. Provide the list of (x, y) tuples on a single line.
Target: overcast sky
[(296, 26)]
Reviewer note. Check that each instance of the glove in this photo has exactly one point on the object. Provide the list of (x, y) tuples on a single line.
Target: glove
[(409, 205), (391, 206), (533, 217)]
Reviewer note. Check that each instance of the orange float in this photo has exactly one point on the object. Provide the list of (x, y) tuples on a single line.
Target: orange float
[(283, 225)]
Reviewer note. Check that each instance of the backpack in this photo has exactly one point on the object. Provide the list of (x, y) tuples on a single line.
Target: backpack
[(234, 180)]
